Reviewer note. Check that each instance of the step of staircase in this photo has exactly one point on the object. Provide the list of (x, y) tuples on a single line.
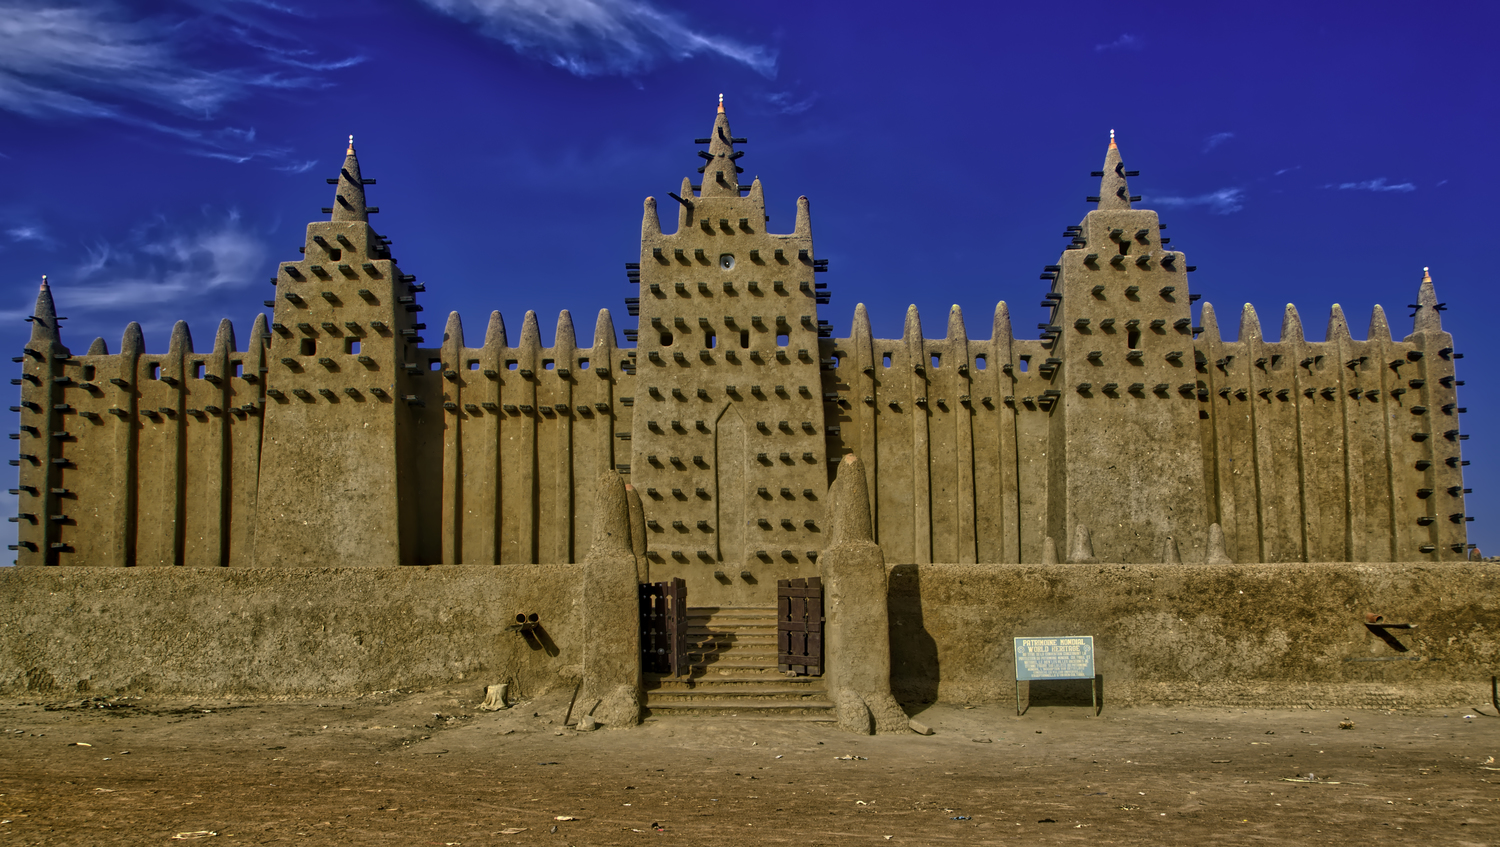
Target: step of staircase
[(732, 671)]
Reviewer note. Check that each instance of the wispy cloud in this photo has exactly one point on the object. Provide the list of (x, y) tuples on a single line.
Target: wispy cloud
[(1377, 184), (1285, 171), (1215, 140), (1225, 201), (1124, 42), (601, 37), (89, 61), (32, 233), (788, 103), (161, 262)]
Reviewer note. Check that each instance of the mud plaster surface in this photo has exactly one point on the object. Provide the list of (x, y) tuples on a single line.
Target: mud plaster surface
[(420, 768)]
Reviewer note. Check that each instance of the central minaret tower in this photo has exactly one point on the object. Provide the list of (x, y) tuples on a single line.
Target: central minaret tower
[(1126, 461), (728, 437)]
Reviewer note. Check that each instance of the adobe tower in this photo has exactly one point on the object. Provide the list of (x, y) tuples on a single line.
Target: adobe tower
[(728, 436)]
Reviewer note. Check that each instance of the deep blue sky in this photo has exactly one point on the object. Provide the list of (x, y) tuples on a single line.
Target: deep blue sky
[(158, 159)]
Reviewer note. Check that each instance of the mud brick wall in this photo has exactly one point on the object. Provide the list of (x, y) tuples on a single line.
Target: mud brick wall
[(1244, 635)]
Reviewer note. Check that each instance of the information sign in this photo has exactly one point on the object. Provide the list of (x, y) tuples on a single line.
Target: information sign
[(1069, 657), (1064, 657)]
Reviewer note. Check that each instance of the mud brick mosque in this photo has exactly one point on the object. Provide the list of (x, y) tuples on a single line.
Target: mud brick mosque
[(336, 435)]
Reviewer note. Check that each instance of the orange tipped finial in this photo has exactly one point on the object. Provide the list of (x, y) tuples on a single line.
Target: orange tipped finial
[(1111, 139), (350, 151), (1426, 277), (721, 102)]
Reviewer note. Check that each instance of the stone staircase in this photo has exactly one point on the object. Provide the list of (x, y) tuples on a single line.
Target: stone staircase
[(731, 654)]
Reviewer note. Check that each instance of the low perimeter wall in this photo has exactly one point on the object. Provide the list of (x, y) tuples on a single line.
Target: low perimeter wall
[(1237, 635), (294, 632), (1240, 635)]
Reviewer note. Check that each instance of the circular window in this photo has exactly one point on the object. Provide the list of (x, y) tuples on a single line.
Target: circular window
[(726, 262)]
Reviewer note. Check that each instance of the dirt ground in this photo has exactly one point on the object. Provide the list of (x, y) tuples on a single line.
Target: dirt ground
[(430, 768)]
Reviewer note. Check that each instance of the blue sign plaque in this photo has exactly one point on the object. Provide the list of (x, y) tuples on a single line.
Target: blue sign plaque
[(1068, 657), (1063, 657)]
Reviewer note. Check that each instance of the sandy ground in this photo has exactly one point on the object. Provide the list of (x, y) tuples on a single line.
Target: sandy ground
[(430, 768)]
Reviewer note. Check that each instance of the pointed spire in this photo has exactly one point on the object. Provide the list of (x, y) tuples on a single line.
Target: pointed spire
[(604, 334), (1001, 331), (133, 341), (1250, 324), (1380, 330), (182, 339), (44, 317), (260, 332), (566, 340), (98, 348), (531, 333), (1428, 317), (720, 173), (224, 338), (1217, 555), (803, 227), (1082, 550), (650, 221), (1291, 325), (1169, 553), (453, 331), (1338, 326), (1210, 323), (1049, 551), (349, 202), (956, 331), (1114, 192), (911, 339), (849, 518), (611, 516), (494, 334)]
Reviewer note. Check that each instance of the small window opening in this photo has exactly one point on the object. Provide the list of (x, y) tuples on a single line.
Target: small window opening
[(510, 364), (781, 339), (239, 368), (197, 370), (548, 364), (710, 340), (1025, 363), (583, 364), (473, 364), (744, 339), (154, 368), (1124, 248), (980, 363), (335, 254), (937, 361), (1276, 361), (1318, 362), (666, 339), (1133, 339), (351, 346), (88, 373), (836, 358), (434, 364), (885, 359), (309, 347)]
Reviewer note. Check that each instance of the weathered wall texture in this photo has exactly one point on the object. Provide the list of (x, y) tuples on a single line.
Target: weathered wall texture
[(266, 632), (1163, 634), (1247, 635)]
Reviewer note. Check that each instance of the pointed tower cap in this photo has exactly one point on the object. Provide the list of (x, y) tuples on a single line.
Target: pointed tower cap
[(350, 151), (1112, 144), (721, 101)]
